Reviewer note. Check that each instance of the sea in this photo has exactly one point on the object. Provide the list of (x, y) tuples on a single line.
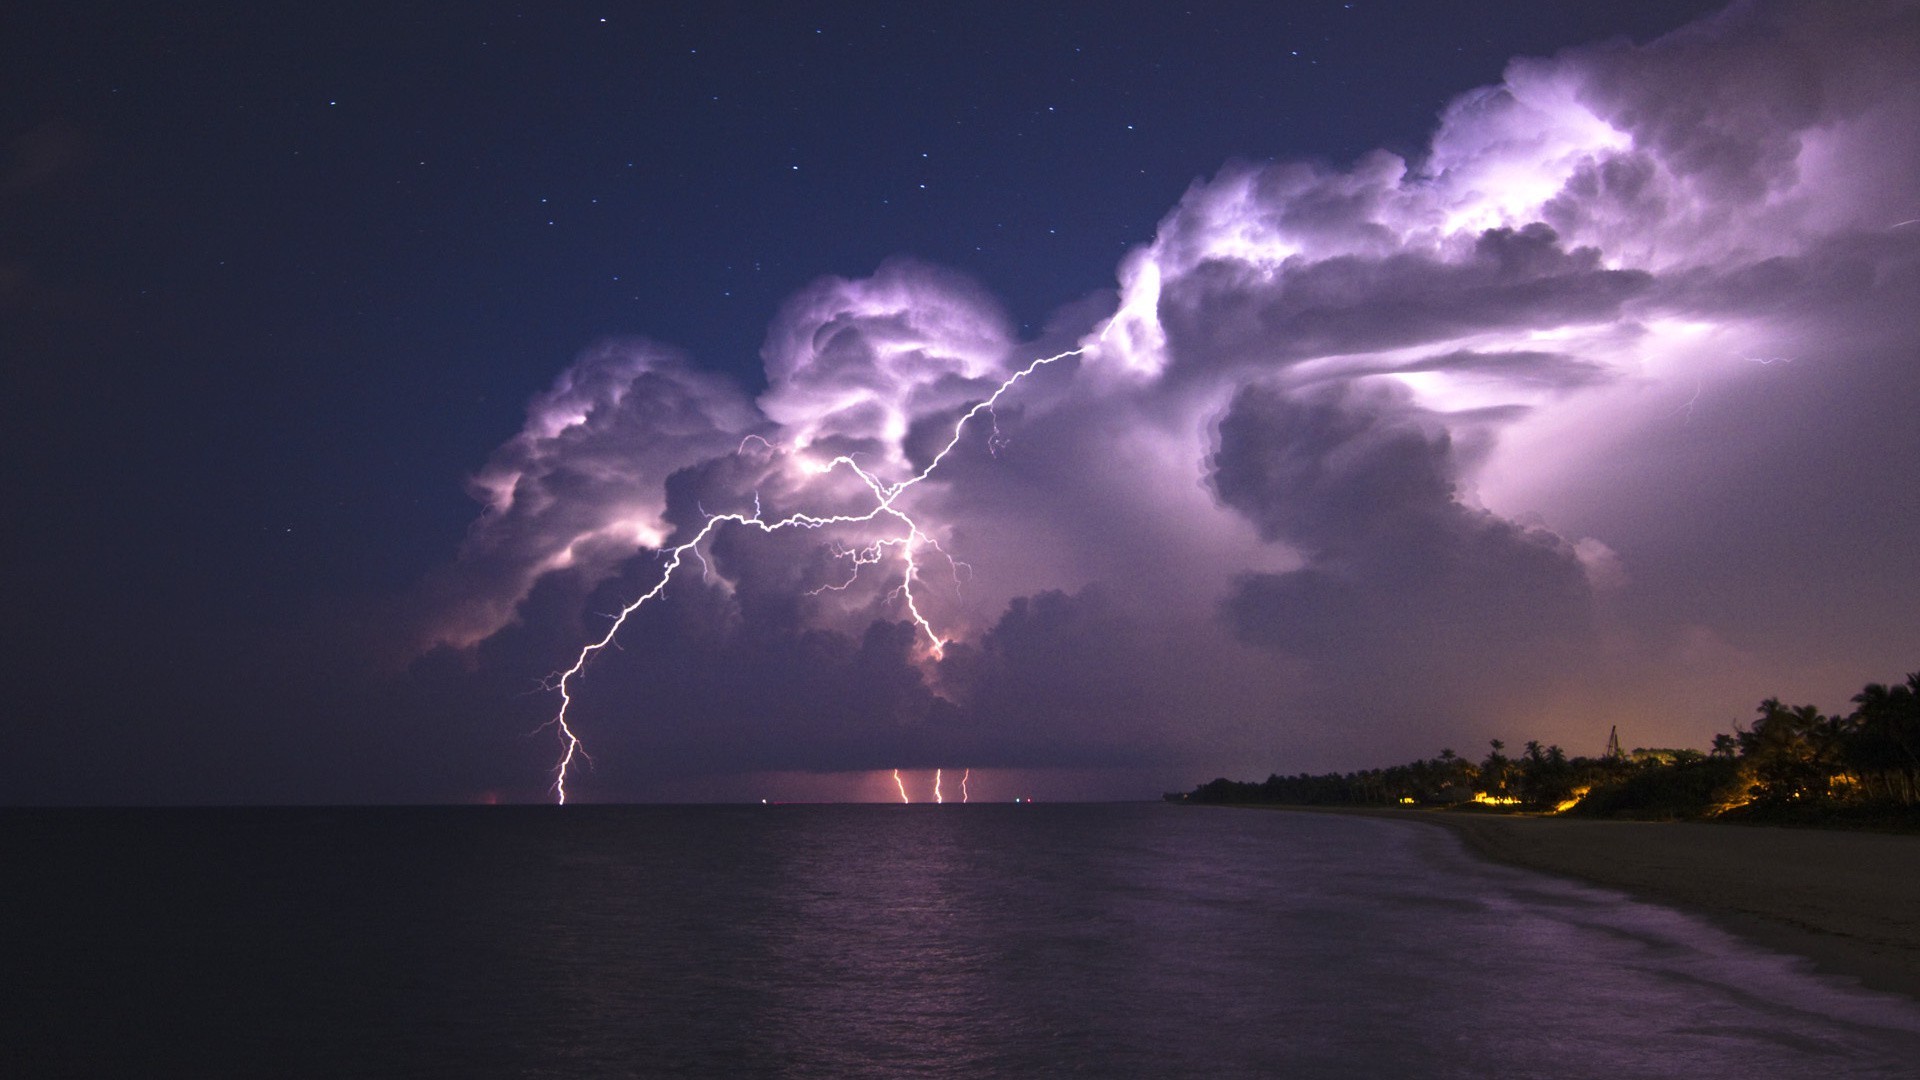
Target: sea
[(1024, 940)]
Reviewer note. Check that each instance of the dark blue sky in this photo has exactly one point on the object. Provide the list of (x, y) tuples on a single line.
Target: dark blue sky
[(266, 227), (276, 279)]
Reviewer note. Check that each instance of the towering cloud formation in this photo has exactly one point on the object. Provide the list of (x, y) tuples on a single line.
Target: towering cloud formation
[(583, 484), (851, 364), (1352, 443)]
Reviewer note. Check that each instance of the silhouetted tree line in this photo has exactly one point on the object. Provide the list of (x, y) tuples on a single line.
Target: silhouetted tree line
[(1790, 762)]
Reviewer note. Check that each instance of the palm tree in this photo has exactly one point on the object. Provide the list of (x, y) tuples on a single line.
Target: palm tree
[(1886, 736), (1791, 751), (1496, 772)]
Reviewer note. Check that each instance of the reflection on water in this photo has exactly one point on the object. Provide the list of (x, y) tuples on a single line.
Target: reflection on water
[(1127, 940)]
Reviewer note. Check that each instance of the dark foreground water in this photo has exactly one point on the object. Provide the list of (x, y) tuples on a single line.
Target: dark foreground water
[(1111, 941)]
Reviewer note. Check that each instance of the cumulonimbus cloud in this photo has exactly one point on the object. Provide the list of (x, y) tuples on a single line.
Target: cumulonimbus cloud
[(1313, 423)]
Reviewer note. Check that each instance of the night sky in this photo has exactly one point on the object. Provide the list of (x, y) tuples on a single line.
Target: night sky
[(1448, 372)]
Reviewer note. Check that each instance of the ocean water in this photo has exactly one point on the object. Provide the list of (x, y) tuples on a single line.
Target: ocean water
[(1129, 940)]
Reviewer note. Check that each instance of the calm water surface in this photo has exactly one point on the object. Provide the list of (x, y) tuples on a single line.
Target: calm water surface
[(846, 941)]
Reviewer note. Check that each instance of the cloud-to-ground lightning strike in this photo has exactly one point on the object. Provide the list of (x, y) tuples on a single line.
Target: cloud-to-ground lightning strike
[(936, 787), (885, 497), (902, 785)]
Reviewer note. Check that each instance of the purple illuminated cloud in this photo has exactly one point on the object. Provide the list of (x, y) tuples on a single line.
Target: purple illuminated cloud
[(1472, 436), (583, 483)]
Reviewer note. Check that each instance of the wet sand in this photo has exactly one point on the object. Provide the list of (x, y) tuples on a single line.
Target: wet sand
[(1848, 901)]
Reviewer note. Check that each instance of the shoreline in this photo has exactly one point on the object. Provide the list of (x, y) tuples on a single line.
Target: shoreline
[(1849, 902)]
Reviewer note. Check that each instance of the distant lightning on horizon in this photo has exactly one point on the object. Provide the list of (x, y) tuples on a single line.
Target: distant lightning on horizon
[(906, 545)]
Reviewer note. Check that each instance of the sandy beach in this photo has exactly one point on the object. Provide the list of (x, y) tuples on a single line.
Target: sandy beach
[(1848, 901)]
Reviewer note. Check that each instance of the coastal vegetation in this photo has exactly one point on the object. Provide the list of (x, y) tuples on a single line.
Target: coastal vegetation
[(1790, 764)]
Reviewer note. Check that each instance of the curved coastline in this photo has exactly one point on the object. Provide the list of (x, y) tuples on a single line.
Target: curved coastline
[(1847, 901)]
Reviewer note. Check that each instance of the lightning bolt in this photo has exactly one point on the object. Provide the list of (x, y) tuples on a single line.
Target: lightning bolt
[(885, 496), (936, 787), (1687, 406), (964, 777), (902, 785)]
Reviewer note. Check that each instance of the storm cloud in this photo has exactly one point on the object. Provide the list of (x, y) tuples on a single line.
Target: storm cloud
[(1398, 569), (1482, 434)]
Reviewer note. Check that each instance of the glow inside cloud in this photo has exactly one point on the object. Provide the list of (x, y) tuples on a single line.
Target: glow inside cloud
[(1357, 460)]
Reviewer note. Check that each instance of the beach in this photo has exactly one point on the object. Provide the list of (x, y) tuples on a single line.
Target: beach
[(1847, 901)]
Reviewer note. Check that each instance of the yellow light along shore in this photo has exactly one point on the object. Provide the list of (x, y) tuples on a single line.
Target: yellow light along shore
[(1848, 901)]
